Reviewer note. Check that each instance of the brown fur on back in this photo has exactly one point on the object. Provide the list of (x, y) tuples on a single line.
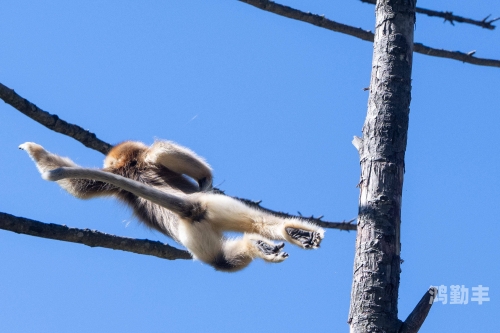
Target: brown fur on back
[(127, 159)]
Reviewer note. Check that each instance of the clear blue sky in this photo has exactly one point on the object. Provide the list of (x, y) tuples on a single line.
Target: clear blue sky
[(273, 105)]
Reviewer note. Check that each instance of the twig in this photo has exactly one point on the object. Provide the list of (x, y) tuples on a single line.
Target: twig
[(345, 225), (448, 16), (417, 317), (457, 55), (321, 21), (90, 238), (317, 20), (52, 121)]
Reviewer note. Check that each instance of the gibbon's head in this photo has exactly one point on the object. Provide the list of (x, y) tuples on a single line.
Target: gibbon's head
[(125, 153)]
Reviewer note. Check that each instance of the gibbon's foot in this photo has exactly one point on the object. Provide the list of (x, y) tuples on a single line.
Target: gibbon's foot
[(271, 252), (33, 149), (308, 239)]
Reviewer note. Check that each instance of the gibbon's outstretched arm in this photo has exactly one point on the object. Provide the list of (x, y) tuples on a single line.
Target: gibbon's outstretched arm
[(200, 218)]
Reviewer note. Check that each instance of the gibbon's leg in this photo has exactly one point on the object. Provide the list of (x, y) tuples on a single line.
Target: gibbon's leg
[(226, 213), (81, 188), (229, 255), (181, 160)]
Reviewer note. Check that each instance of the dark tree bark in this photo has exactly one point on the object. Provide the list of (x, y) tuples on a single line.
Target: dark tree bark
[(92, 238), (374, 295)]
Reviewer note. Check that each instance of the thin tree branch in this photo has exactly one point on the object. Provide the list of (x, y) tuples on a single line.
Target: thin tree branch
[(345, 225), (90, 238), (52, 121), (448, 16), (321, 21), (457, 55), (417, 317), (314, 19), (65, 128)]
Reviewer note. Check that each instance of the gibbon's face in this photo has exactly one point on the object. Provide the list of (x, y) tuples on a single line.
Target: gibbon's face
[(124, 153)]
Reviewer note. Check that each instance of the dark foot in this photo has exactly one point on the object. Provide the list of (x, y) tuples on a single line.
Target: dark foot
[(271, 252), (308, 239)]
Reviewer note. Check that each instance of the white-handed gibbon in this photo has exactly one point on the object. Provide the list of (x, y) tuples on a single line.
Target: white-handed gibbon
[(154, 182)]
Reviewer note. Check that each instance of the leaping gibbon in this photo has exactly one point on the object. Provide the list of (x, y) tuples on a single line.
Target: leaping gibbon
[(154, 182)]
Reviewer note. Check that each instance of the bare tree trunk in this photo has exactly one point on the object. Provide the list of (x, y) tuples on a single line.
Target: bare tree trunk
[(374, 295)]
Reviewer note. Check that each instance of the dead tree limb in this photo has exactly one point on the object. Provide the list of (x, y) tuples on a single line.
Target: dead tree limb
[(344, 225), (314, 19), (90, 238), (321, 21), (448, 16), (52, 121), (417, 317), (457, 55)]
